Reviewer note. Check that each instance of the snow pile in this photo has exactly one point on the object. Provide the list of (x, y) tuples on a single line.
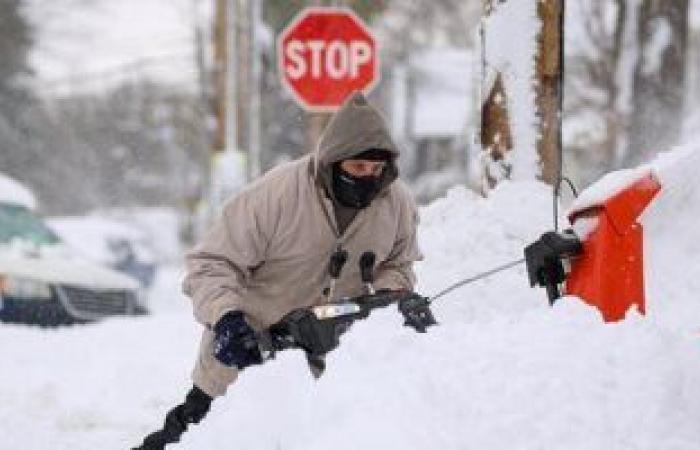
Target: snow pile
[(672, 250), (502, 370), (465, 234), (11, 191)]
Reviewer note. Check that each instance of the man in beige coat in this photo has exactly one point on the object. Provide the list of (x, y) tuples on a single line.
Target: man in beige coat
[(268, 253)]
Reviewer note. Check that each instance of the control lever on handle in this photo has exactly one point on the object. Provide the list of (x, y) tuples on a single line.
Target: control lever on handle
[(335, 266), (367, 261)]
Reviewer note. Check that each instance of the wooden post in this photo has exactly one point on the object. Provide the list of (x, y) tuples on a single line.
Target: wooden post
[(219, 37), (498, 132), (549, 86), (254, 147)]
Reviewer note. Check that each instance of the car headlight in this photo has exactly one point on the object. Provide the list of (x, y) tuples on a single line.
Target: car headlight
[(24, 288)]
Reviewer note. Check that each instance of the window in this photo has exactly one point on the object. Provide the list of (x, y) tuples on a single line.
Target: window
[(17, 222)]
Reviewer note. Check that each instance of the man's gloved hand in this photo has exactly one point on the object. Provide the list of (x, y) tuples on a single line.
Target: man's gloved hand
[(545, 260), (315, 336), (235, 342), (416, 312), (193, 410)]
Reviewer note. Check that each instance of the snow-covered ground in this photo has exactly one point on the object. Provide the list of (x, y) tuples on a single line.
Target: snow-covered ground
[(502, 371)]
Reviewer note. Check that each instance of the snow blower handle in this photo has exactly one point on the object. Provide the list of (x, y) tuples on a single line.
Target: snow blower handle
[(317, 330)]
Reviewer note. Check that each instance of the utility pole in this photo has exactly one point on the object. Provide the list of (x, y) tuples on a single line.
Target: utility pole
[(219, 38), (550, 88), (231, 107), (507, 149), (227, 162), (254, 150)]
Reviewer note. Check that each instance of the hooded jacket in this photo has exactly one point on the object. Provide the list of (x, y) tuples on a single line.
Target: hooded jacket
[(268, 252)]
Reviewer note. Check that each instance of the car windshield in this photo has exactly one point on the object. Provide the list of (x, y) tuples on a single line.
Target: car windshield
[(17, 222)]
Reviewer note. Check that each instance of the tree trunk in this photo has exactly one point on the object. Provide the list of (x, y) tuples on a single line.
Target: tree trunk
[(659, 79)]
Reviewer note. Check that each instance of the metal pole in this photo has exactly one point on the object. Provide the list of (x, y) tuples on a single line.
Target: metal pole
[(231, 135), (560, 116), (254, 164)]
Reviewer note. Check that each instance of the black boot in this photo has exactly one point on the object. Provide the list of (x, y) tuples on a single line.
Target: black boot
[(193, 410)]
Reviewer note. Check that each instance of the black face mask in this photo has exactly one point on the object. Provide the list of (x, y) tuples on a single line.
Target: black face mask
[(354, 192)]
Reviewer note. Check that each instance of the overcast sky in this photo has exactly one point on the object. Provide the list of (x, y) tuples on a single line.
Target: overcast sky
[(85, 44), (90, 41)]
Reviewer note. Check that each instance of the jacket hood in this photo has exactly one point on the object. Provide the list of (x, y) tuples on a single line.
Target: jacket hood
[(356, 127)]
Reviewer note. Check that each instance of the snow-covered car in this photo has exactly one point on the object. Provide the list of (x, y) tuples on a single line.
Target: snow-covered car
[(41, 281), (109, 242)]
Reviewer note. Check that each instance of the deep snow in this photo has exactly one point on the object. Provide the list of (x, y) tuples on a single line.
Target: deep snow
[(502, 371)]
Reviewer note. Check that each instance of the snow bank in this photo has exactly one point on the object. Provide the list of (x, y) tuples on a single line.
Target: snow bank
[(465, 234), (12, 191), (502, 371), (672, 245)]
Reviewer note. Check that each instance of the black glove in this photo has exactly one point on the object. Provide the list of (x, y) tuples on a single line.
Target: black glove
[(316, 337), (416, 312), (193, 410), (235, 342), (544, 260)]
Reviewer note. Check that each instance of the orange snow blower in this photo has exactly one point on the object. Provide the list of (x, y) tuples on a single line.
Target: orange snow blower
[(606, 266)]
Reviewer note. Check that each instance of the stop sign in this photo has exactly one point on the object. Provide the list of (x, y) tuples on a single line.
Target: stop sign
[(325, 54)]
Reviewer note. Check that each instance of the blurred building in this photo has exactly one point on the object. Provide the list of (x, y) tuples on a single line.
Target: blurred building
[(434, 115)]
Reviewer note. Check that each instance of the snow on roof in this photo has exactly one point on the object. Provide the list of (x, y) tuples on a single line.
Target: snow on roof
[(444, 92), (12, 191)]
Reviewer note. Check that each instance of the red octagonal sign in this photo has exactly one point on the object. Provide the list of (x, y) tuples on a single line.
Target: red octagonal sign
[(324, 55)]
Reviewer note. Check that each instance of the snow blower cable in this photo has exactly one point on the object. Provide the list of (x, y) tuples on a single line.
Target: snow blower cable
[(477, 277)]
